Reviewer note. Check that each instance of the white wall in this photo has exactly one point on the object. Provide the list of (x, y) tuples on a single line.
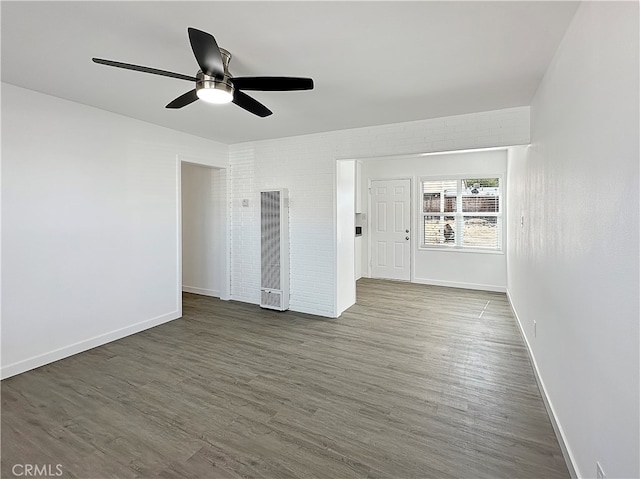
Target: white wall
[(204, 230), (462, 269), (306, 165), (90, 236), (573, 267)]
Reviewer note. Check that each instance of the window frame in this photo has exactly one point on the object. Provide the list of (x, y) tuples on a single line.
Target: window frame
[(459, 215)]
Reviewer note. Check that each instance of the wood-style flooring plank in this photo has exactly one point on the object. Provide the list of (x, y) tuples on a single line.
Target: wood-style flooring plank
[(413, 381)]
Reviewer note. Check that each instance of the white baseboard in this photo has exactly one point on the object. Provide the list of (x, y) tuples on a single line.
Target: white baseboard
[(66, 351), (455, 284), (557, 428), (301, 308), (245, 299), (205, 292)]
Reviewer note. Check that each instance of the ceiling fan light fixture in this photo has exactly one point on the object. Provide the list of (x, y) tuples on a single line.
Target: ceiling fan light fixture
[(215, 95), (214, 83)]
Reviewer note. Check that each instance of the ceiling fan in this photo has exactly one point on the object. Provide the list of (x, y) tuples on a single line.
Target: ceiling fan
[(214, 83)]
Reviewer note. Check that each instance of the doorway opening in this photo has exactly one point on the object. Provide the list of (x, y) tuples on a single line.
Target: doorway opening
[(204, 259)]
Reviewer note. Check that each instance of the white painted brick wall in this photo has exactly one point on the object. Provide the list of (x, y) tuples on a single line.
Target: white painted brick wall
[(306, 166)]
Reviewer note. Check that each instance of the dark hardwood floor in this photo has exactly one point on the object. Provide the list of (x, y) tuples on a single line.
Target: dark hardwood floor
[(412, 382)]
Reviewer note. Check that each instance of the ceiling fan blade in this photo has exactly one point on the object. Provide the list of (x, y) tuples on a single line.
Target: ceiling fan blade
[(245, 101), (138, 68), (184, 100), (207, 52), (272, 83)]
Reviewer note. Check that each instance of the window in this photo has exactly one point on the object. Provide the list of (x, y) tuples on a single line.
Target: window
[(462, 213)]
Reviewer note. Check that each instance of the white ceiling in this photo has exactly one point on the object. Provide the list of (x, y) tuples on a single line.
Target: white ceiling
[(372, 63)]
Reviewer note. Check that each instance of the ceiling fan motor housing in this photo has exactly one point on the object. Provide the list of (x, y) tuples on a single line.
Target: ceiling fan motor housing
[(205, 81), (208, 82)]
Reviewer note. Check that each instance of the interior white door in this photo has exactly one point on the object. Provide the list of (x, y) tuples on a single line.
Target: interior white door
[(390, 230)]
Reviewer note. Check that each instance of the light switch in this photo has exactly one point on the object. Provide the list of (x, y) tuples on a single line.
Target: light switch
[(245, 203)]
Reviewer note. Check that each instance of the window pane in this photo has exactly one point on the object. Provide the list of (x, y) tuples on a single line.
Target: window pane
[(439, 230), (481, 231), (481, 195), (439, 196), (432, 202)]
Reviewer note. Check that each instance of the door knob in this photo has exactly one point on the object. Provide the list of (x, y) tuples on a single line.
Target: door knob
[(406, 231), (406, 237)]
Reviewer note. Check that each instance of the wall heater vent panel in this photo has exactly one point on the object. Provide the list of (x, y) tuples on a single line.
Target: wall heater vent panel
[(274, 243), (271, 299)]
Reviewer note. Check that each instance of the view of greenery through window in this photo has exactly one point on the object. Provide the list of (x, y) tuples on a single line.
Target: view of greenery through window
[(494, 182), (462, 213)]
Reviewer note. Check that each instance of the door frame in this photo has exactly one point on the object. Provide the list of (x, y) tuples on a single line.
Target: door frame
[(411, 222)]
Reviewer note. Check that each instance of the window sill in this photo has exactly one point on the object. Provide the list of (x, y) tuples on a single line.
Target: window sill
[(454, 249)]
